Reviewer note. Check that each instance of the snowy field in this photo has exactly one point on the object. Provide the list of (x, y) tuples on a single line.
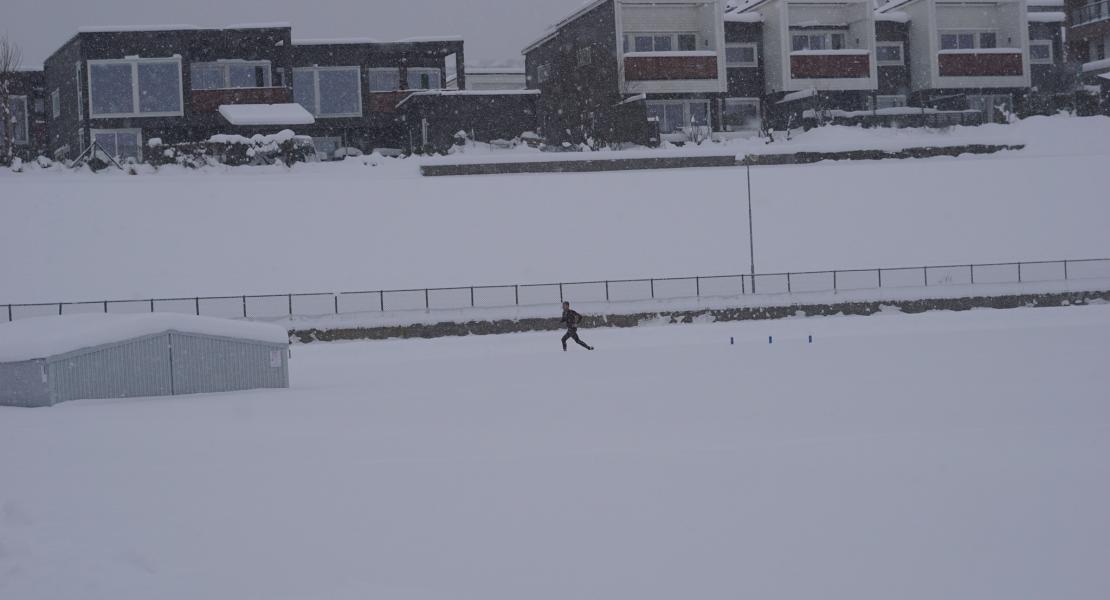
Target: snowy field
[(351, 226), (956, 456)]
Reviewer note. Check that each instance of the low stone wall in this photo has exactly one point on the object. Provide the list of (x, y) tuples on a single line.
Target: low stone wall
[(637, 164), (450, 329), (799, 158)]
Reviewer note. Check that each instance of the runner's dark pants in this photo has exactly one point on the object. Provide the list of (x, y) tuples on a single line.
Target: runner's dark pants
[(572, 334)]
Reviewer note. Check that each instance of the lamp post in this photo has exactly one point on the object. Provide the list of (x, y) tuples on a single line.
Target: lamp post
[(751, 228)]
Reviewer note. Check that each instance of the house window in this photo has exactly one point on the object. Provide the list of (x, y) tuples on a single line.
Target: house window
[(543, 73), (893, 101), (384, 79), (674, 116), (1040, 52), (56, 104), (741, 55), (968, 40), (741, 114), (18, 105), (326, 147), (889, 54), (817, 40), (661, 42), (328, 91), (120, 144), (135, 87), (423, 78), (584, 57), (222, 75)]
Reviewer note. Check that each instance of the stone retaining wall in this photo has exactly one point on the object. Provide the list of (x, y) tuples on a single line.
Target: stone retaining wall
[(449, 329)]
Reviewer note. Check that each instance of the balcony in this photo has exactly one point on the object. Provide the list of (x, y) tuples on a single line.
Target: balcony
[(1090, 13), (830, 64), (981, 62), (210, 100), (670, 66)]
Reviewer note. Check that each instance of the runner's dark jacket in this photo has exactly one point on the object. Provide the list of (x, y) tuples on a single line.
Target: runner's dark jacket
[(571, 318)]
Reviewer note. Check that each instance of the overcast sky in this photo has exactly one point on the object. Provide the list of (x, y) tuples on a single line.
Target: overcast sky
[(495, 30)]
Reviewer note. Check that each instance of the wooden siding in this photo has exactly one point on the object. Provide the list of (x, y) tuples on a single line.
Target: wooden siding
[(830, 66), (211, 100), (669, 68), (980, 65)]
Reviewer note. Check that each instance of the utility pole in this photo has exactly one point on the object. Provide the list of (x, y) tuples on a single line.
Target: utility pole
[(751, 228)]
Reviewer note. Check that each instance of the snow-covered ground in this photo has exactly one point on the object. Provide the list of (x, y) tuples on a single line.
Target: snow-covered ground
[(956, 456), (351, 226)]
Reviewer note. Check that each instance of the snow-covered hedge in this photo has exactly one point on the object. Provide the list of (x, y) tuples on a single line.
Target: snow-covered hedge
[(285, 147)]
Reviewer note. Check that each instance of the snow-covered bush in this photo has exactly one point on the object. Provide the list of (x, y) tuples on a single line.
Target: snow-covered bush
[(234, 150)]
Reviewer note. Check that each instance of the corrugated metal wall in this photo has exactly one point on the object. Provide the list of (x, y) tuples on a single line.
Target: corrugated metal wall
[(127, 370), (204, 364), (23, 384)]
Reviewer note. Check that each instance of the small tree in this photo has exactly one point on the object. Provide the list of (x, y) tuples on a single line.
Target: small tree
[(10, 57)]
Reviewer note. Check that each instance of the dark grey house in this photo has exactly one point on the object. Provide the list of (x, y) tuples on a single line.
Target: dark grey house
[(27, 100)]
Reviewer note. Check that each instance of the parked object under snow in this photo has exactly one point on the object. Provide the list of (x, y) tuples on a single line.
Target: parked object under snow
[(47, 360)]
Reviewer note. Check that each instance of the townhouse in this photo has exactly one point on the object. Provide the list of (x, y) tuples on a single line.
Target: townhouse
[(630, 70), (1089, 42)]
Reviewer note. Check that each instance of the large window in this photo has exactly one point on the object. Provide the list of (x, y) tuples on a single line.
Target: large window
[(135, 87), (18, 105), (329, 91), (424, 78), (674, 116), (889, 54), (968, 40), (231, 74), (120, 144), (660, 42), (741, 55), (1040, 52), (55, 104), (882, 101), (817, 40), (386, 79), (741, 114)]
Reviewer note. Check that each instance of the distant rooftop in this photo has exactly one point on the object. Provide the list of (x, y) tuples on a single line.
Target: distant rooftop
[(366, 40), (120, 28)]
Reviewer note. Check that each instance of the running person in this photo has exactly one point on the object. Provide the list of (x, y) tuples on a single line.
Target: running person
[(572, 319)]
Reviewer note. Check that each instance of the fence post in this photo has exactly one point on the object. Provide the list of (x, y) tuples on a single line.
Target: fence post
[(1019, 272), (244, 307), (606, 291), (561, 300), (789, 286), (152, 305), (471, 297), (744, 290), (516, 294), (381, 299), (925, 271), (834, 281), (1065, 271), (10, 313), (697, 287), (290, 305), (972, 268), (652, 289), (336, 298), (880, 278), (105, 307), (427, 302), (59, 309), (196, 303)]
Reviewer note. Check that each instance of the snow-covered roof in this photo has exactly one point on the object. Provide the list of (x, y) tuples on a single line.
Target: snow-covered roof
[(1047, 17), (1105, 76), (469, 93), (671, 54), (894, 16), (43, 337), (798, 95), (366, 40), (1050, 3), (178, 27), (266, 114), (495, 70), (843, 52), (1097, 65)]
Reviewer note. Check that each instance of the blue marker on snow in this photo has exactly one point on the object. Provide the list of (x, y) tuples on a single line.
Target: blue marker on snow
[(770, 339), (811, 339)]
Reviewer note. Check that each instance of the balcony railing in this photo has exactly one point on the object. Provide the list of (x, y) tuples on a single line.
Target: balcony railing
[(670, 66), (1091, 13), (830, 64), (210, 100), (982, 62)]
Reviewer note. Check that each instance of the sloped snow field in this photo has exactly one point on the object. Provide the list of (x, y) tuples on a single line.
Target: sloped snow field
[(67, 237), (945, 455)]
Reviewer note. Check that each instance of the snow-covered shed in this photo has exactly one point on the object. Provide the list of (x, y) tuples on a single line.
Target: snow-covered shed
[(47, 360)]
